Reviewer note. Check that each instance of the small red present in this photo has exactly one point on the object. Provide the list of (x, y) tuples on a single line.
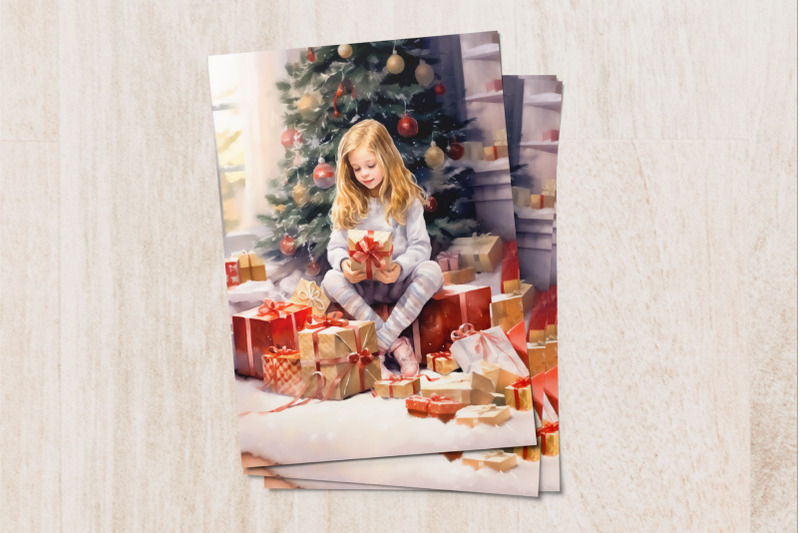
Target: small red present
[(256, 330), (441, 407), (494, 85), (232, 272), (282, 371), (446, 311)]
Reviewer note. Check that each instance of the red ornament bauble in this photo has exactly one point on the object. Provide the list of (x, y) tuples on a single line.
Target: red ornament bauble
[(407, 127), (440, 89), (288, 138), (310, 54), (288, 246), (455, 151), (324, 175), (430, 204), (313, 268)]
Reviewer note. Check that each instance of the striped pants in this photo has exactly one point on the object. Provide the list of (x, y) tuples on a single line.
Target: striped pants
[(409, 295)]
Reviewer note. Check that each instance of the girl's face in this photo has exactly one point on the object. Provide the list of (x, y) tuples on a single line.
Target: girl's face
[(366, 168)]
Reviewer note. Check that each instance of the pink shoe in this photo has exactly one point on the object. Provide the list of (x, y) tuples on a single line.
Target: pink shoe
[(405, 356)]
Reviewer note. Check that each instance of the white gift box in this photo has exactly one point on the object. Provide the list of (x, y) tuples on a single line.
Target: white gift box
[(470, 347)]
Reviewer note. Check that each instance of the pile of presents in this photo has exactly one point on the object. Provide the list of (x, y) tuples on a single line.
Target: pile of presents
[(475, 151), (523, 197), (473, 343)]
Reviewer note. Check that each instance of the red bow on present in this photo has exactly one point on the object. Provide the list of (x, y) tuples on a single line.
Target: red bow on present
[(362, 358), (522, 382), (483, 348), (547, 427), (436, 398), (463, 331), (326, 321), (275, 351), (273, 309), (368, 252)]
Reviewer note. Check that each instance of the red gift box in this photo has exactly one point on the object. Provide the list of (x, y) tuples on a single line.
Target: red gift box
[(258, 329), (440, 407), (232, 272), (282, 371), (494, 85), (446, 311), (510, 266)]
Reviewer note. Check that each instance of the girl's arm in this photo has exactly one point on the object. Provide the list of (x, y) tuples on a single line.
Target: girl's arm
[(337, 249), (419, 242)]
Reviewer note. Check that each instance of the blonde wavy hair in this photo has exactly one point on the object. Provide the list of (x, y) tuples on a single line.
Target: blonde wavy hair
[(398, 191)]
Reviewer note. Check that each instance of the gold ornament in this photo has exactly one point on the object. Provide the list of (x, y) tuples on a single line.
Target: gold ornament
[(424, 74), (308, 104), (395, 64), (300, 194), (434, 156), (280, 208), (345, 51)]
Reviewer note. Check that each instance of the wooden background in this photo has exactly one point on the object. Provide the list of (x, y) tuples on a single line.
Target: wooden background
[(677, 265)]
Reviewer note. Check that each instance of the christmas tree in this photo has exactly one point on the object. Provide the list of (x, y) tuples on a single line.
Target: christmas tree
[(327, 91)]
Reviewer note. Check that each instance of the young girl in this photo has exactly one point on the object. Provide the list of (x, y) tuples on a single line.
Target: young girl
[(375, 191)]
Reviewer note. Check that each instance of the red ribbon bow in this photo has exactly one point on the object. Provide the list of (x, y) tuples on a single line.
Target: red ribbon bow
[(522, 382), (273, 309), (368, 252), (547, 427), (439, 355), (326, 321), (463, 331), (362, 358), (275, 351)]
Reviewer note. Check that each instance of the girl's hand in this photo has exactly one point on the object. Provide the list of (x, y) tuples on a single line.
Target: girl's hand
[(389, 276), (351, 275)]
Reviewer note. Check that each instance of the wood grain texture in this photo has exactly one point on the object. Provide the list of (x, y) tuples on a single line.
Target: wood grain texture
[(677, 266)]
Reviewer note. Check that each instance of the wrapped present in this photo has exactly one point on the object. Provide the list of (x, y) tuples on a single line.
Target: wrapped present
[(501, 137), (370, 251), (500, 377), (548, 435), (256, 330), (550, 135), (519, 395), (342, 353), (448, 260), (490, 153), (516, 286), (441, 362), (471, 346), (251, 267), (494, 86), (441, 407), (309, 293), (483, 252), (282, 371), (528, 453), (507, 312), (521, 196), (550, 355), (541, 201), (473, 151), (471, 388), (491, 414), (446, 311), (460, 276), (536, 357), (501, 150), (496, 460), (397, 387), (232, 272)]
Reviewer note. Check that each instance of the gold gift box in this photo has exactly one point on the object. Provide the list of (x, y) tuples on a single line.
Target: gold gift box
[(524, 395), (309, 293), (404, 388), (536, 358), (491, 414), (460, 276), (550, 355), (512, 286), (483, 252), (528, 453), (507, 311), (500, 377), (335, 343), (443, 365), (469, 388), (500, 461), (384, 238), (251, 267)]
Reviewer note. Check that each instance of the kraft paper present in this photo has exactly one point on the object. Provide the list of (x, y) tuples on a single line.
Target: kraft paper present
[(482, 252), (497, 460), (397, 387), (309, 293), (460, 276), (490, 414), (519, 395), (500, 377), (471, 388), (370, 251)]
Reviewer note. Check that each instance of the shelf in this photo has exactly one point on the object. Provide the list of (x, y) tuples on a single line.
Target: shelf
[(545, 100), (480, 167), (485, 51), (546, 146), (496, 96)]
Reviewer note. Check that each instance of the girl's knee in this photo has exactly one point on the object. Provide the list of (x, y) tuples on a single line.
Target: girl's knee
[(432, 273), (331, 280)]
